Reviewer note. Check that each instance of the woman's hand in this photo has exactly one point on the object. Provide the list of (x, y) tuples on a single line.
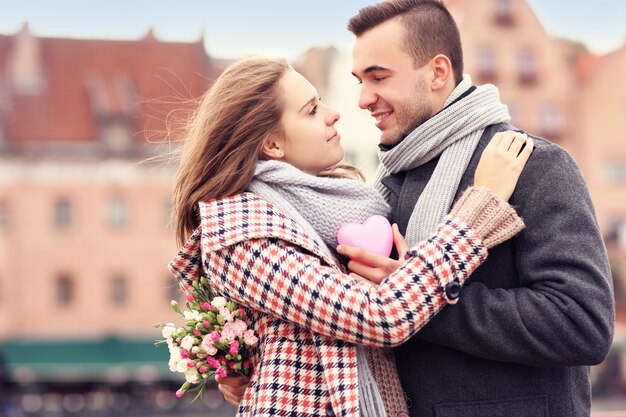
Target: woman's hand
[(502, 162), (370, 266), (232, 388)]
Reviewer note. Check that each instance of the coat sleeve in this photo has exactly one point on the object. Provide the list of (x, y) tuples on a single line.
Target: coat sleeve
[(282, 280), (562, 311)]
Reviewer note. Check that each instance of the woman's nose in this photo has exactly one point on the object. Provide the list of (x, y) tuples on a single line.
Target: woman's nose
[(333, 117)]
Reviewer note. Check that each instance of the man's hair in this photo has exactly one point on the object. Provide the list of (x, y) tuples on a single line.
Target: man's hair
[(429, 28)]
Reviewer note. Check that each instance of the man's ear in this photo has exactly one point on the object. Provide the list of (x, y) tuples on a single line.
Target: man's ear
[(273, 147), (442, 72)]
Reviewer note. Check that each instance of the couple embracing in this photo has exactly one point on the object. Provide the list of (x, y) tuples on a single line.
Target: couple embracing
[(495, 304)]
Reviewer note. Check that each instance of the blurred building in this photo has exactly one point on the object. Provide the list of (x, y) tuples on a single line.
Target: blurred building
[(84, 215)]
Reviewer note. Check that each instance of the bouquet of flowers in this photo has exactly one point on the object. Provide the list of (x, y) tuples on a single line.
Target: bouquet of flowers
[(214, 341)]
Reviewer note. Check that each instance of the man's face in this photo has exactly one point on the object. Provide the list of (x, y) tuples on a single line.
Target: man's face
[(396, 93)]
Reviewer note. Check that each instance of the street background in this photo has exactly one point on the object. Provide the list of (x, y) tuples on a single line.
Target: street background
[(93, 96)]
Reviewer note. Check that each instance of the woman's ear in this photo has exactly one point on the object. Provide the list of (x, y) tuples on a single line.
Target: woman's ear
[(273, 147)]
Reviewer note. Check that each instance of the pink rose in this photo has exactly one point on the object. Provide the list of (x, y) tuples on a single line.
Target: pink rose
[(180, 393), (249, 338), (204, 305), (228, 333), (226, 314), (234, 348), (241, 327), (212, 362), (207, 345), (220, 373), (215, 335)]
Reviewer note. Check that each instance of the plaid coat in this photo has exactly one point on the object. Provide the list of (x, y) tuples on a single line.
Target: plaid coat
[(307, 313)]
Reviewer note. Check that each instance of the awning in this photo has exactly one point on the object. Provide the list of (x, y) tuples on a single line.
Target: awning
[(113, 360)]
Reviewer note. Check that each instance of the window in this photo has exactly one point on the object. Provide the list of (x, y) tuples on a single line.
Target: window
[(486, 65), (504, 12), (527, 67), (118, 213), (63, 213), (64, 290), (4, 214), (550, 122), (119, 290)]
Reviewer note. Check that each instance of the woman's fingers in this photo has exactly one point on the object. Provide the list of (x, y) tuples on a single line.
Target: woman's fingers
[(398, 240), (233, 388)]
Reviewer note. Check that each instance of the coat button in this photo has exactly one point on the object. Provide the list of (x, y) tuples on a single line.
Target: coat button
[(453, 290), (409, 401), (329, 410)]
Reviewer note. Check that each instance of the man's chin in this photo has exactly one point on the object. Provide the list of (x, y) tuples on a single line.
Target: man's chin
[(390, 138)]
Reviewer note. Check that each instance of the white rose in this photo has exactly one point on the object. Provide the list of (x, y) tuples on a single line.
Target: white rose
[(168, 330), (189, 315), (175, 352), (218, 302), (181, 366), (187, 342), (192, 376), (175, 359), (173, 365)]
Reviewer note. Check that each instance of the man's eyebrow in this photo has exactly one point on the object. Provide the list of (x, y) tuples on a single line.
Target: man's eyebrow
[(372, 68), (307, 104)]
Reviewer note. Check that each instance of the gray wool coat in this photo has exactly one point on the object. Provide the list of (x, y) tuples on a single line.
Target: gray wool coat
[(532, 318)]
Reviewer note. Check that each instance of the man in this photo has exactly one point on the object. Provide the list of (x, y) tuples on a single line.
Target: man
[(531, 320)]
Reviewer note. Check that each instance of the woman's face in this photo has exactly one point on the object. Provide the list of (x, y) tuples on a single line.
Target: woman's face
[(310, 140)]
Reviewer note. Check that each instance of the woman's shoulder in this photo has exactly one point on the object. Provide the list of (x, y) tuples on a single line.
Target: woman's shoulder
[(244, 217)]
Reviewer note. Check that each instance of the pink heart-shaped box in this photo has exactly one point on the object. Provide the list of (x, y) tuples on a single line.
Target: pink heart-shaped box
[(374, 235)]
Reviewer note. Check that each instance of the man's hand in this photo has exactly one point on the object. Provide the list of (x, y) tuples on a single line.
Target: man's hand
[(371, 266), (232, 388)]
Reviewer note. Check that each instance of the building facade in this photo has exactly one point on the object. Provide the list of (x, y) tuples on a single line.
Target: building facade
[(88, 137)]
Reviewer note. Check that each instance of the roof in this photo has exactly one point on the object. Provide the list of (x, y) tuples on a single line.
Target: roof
[(81, 81)]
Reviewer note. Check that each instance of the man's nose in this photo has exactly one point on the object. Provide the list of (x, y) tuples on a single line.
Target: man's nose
[(367, 97)]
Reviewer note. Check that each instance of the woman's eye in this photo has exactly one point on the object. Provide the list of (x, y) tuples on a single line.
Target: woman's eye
[(313, 110)]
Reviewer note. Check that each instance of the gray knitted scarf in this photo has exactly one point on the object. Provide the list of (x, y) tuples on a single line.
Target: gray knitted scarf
[(452, 133), (321, 206)]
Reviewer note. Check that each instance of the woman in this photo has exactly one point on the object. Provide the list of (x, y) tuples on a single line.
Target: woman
[(259, 200)]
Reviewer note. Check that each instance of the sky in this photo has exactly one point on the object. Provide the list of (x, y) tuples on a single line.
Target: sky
[(233, 28)]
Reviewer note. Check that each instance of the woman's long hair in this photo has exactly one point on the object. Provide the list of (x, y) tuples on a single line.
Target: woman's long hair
[(225, 136)]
